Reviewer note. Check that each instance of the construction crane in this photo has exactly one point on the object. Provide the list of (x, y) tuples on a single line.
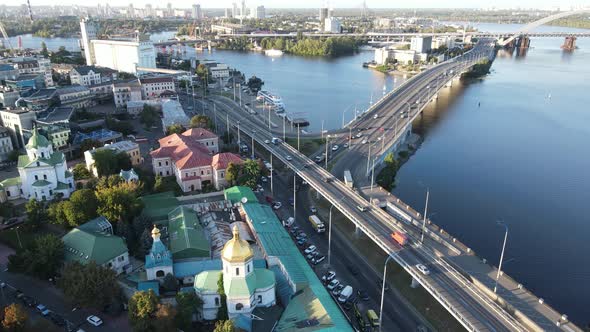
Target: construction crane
[(30, 10), (6, 39)]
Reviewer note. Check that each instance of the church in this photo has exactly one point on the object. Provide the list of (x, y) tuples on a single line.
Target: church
[(43, 173)]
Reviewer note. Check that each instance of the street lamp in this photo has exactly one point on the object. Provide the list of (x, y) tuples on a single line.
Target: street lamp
[(18, 237), (239, 141), (330, 232), (253, 133), (502, 254), (424, 217), (383, 291), (327, 140)]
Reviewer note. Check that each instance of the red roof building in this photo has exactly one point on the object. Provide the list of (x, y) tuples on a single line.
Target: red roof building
[(193, 159)]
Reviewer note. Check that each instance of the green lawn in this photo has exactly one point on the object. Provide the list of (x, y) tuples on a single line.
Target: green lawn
[(9, 238), (397, 277)]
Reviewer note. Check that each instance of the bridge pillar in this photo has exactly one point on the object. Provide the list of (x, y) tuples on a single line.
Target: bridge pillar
[(415, 283), (569, 44)]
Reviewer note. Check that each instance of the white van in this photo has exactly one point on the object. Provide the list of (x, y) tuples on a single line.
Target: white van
[(345, 294)]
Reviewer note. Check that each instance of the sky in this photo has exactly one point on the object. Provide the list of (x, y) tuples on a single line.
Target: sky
[(542, 4)]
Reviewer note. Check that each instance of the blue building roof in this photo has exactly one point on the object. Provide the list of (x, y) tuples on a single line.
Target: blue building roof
[(159, 255), (147, 285)]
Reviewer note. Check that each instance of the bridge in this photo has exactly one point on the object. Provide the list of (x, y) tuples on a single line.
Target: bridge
[(466, 296)]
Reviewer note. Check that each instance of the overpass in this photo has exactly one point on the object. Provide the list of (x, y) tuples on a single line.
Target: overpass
[(452, 286)]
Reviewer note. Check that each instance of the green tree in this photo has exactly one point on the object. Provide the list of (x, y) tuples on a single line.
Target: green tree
[(56, 214), (89, 285), (142, 307), (148, 116), (201, 121), (44, 51), (109, 162), (175, 129), (7, 210), (250, 173), (255, 83), (15, 318), (35, 214), (222, 311), (81, 207), (13, 155), (188, 303), (224, 326), (42, 258), (232, 172), (81, 172), (119, 202)]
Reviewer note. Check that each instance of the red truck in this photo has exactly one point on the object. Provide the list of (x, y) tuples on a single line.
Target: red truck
[(400, 238)]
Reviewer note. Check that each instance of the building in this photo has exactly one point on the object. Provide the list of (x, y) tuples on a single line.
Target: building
[(245, 286), (196, 12), (76, 96), (129, 176), (125, 56), (385, 55), (124, 92), (55, 125), (7, 72), (24, 82), (17, 121), (258, 12), (173, 113), (8, 96), (323, 15), (88, 29), (234, 10), (421, 44), (189, 157), (158, 263), (5, 144), (154, 87), (42, 99), (43, 173), (130, 148), (332, 25), (445, 41), (219, 71), (94, 241), (92, 75), (102, 92), (230, 28), (33, 65)]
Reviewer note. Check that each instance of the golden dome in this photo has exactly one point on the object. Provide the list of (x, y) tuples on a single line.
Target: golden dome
[(236, 249), (155, 232)]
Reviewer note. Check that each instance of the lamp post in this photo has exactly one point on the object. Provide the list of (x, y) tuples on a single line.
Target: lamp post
[(253, 133), (424, 219), (271, 186), (330, 232), (239, 141), (327, 140), (343, 112), (502, 254), (383, 291), (18, 237)]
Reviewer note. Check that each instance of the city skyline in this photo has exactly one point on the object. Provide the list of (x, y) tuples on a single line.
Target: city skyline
[(423, 4)]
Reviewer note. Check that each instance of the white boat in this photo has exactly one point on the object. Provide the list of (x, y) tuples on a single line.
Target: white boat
[(273, 52), (271, 100)]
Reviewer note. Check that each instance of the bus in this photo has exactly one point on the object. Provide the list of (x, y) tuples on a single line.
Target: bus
[(317, 224)]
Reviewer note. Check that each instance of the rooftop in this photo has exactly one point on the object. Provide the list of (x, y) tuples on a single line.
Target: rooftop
[(161, 79), (236, 193), (101, 135), (158, 206), (57, 114), (41, 94), (186, 236), (71, 89)]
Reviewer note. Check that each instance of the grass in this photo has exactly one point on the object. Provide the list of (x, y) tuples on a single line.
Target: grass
[(397, 277), (9, 238), (308, 145)]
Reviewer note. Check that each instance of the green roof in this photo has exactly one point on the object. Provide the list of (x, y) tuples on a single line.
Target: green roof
[(186, 236), (158, 206), (235, 194), (244, 287), (311, 299), (37, 140), (54, 159), (41, 183), (62, 186), (69, 174), (11, 182), (84, 246), (207, 281)]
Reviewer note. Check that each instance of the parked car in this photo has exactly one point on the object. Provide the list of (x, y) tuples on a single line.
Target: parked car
[(28, 301), (333, 284), (376, 116), (363, 295), (335, 147), (94, 320), (328, 276), (277, 205), (310, 249), (422, 268), (338, 289), (302, 242), (267, 141), (318, 259), (313, 209), (268, 199), (263, 179), (43, 310), (57, 319), (365, 141), (345, 145), (311, 256)]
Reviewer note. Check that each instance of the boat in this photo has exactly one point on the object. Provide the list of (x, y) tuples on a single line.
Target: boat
[(271, 100), (273, 52)]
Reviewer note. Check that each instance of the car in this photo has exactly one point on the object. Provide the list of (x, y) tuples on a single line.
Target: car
[(310, 249), (312, 255), (288, 158), (94, 320), (2, 285), (365, 141), (333, 284), (361, 208), (404, 116), (422, 268), (345, 145), (263, 179), (363, 295), (302, 235), (347, 305), (327, 179), (277, 205), (267, 141), (328, 276), (313, 209), (28, 301), (335, 147), (43, 310), (376, 116), (302, 242), (57, 319), (318, 259), (338, 290), (359, 135)]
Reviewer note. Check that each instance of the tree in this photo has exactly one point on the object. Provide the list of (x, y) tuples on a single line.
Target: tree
[(170, 282), (81, 207), (89, 285), (222, 311), (15, 318), (187, 304), (232, 172), (13, 155), (118, 202), (44, 51), (56, 214), (250, 173), (89, 144), (224, 326), (201, 121), (105, 162), (148, 116), (35, 214), (42, 258), (175, 129), (81, 172), (7, 210), (165, 318), (142, 306), (255, 84)]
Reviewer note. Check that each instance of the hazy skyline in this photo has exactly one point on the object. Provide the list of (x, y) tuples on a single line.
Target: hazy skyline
[(525, 4)]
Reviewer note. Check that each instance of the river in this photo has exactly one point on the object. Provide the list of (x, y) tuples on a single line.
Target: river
[(521, 157)]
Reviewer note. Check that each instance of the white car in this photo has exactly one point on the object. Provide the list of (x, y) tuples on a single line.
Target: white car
[(263, 179), (345, 145), (277, 205), (310, 249), (94, 320), (359, 135), (288, 158), (267, 141), (329, 276), (333, 284), (422, 268), (335, 148), (376, 116), (365, 141)]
